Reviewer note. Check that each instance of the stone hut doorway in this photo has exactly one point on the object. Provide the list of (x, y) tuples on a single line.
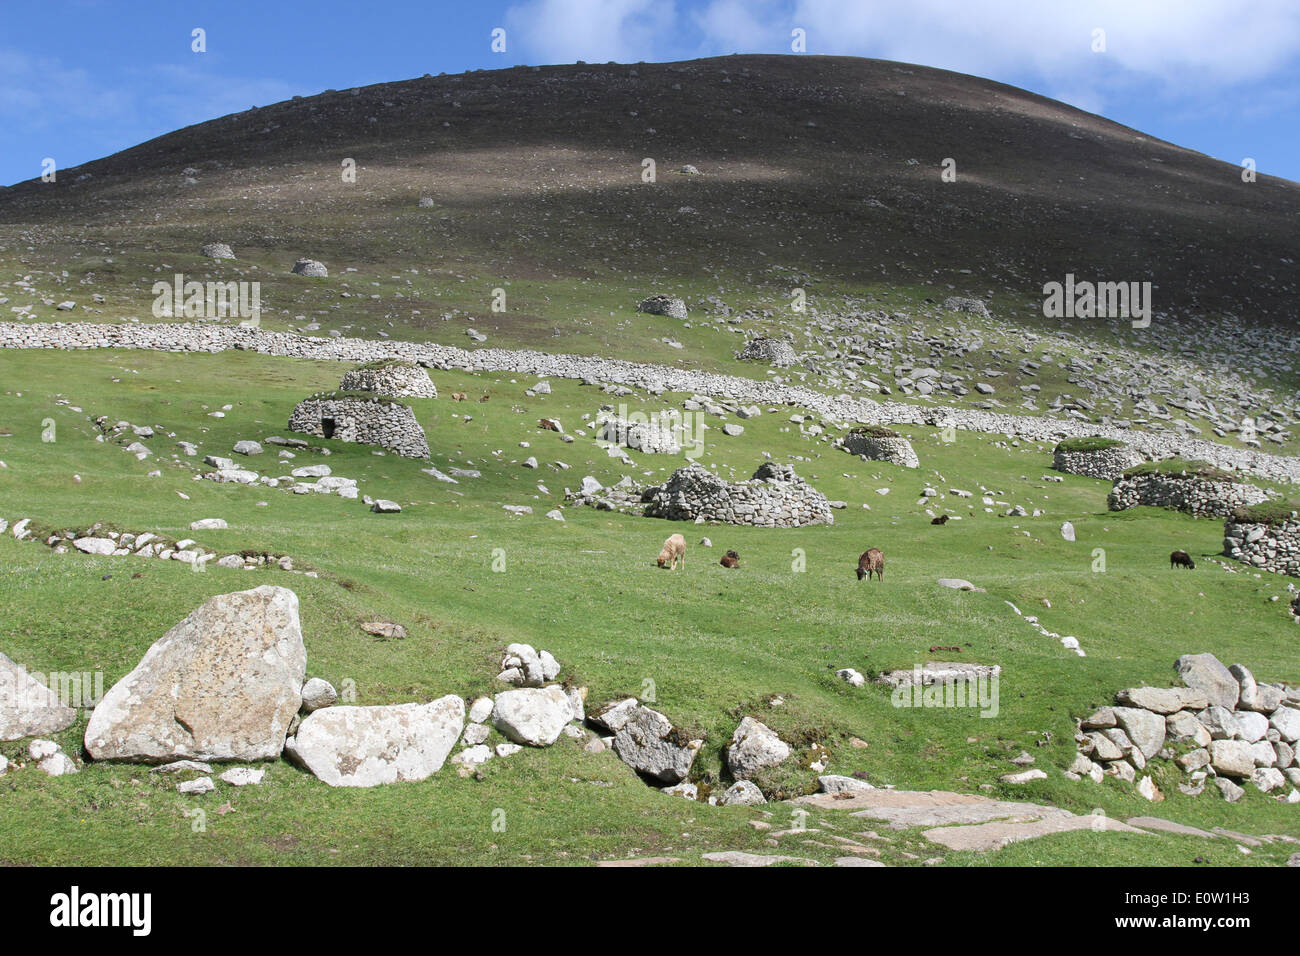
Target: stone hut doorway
[(327, 427)]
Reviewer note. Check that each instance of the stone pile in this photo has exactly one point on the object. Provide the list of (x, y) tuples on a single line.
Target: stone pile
[(1223, 728), (217, 250), (647, 437), (776, 497), (1197, 496), (310, 267), (367, 421), (663, 305)]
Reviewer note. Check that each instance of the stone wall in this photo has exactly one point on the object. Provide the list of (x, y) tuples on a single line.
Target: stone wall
[(1106, 463), (208, 338), (1269, 547), (390, 425), (775, 497), (776, 352), (1223, 727), (896, 451), (1200, 497), (398, 380)]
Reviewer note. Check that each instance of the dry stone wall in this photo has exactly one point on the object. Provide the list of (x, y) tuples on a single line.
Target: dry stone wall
[(1200, 497), (1105, 463), (775, 497), (1269, 547), (896, 450)]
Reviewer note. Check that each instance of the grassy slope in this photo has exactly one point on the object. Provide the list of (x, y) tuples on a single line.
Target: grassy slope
[(715, 644)]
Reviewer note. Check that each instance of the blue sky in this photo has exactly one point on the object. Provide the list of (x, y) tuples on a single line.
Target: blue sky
[(80, 79)]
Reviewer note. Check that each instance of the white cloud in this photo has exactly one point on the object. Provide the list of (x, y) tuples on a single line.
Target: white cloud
[(562, 31)]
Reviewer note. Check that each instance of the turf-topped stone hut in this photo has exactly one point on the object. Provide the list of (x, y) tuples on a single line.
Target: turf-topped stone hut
[(648, 437), (878, 443), (1265, 536), (310, 267), (775, 497), (1095, 457), (394, 378), (663, 305), (776, 352), (1196, 487), (364, 418)]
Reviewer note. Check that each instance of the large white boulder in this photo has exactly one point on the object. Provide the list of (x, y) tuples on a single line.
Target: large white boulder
[(223, 684), (754, 746), (28, 707), (367, 746), (532, 715)]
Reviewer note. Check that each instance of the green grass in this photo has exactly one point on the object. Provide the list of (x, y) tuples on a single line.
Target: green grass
[(1182, 468), (712, 645), (1267, 512), (1088, 443)]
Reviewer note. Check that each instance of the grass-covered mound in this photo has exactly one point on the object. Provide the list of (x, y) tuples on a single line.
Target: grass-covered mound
[(1089, 443), (1267, 512), (875, 431), (1182, 468)]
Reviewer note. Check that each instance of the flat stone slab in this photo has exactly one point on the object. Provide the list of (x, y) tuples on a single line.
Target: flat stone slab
[(641, 861), (983, 837), (940, 672), (737, 858), (1167, 826)]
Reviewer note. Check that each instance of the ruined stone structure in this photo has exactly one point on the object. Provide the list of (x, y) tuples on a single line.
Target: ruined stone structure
[(1269, 546), (775, 497), (367, 420), (663, 305), (776, 352), (1200, 497), (1108, 462)]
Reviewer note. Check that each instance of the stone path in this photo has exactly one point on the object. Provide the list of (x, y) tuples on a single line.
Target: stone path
[(191, 337)]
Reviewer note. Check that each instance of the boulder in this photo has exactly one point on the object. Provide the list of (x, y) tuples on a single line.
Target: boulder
[(1206, 673), (1232, 758), (649, 744), (532, 715), (28, 707), (223, 684), (318, 693), (368, 746), (835, 783), (743, 793), (754, 746), (1145, 729), (1163, 700)]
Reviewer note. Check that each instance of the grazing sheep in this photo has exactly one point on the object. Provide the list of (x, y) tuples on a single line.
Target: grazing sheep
[(872, 560), (673, 552), (942, 519), (549, 424), (1181, 559), (730, 560), (458, 396), (484, 397)]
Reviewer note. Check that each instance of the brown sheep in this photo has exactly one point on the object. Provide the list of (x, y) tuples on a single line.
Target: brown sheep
[(458, 396), (872, 560), (730, 560), (942, 519), (1181, 559), (549, 424), (674, 551)]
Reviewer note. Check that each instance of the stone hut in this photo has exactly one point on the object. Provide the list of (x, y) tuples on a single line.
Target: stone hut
[(773, 351), (775, 497), (362, 418), (663, 305), (1195, 487), (956, 303), (878, 443), (394, 378), (1104, 458), (217, 250)]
